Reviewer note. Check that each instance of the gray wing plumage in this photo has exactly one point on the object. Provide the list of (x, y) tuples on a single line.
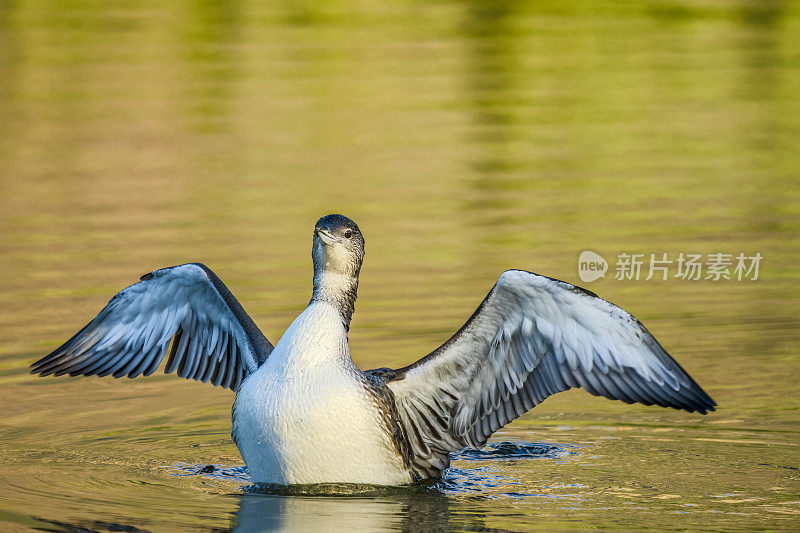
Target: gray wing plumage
[(531, 337), (213, 338)]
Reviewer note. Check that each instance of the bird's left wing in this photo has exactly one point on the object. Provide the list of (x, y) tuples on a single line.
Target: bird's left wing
[(531, 337), (214, 338)]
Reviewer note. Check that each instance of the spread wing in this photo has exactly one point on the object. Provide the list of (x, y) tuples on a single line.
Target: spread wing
[(531, 337), (213, 338)]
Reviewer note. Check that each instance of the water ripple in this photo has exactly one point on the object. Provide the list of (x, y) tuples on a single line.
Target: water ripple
[(471, 476)]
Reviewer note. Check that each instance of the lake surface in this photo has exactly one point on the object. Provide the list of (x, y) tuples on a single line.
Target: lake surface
[(464, 138)]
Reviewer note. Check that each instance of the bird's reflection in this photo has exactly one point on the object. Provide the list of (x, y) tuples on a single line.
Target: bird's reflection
[(411, 509)]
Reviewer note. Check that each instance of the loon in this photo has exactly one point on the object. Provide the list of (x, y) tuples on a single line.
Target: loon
[(305, 414)]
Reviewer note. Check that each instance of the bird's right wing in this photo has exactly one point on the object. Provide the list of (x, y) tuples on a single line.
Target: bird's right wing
[(531, 337), (213, 338)]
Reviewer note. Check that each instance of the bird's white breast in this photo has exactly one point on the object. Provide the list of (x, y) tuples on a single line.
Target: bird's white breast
[(306, 417)]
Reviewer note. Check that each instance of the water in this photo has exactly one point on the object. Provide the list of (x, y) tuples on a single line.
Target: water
[(464, 138)]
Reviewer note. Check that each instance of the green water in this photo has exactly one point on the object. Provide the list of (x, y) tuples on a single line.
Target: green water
[(464, 138)]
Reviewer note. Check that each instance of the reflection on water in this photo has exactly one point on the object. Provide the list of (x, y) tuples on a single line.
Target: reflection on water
[(464, 138), (408, 510)]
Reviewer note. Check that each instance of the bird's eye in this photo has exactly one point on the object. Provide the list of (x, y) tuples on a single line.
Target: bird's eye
[(348, 234)]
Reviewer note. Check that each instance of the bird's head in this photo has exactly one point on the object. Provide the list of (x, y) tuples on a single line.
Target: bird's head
[(338, 246)]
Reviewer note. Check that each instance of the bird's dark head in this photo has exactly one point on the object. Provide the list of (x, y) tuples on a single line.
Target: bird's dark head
[(338, 252), (338, 246)]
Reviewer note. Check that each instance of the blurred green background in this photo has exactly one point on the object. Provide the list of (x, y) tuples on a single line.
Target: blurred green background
[(464, 138)]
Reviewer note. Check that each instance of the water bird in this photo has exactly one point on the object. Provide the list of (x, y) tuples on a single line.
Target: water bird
[(305, 414)]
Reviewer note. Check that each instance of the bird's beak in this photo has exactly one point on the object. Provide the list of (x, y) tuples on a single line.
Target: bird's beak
[(325, 235)]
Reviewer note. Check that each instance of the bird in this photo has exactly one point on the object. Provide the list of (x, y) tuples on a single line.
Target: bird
[(305, 414)]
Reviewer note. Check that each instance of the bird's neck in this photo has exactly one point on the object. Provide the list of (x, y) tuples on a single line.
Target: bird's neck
[(338, 290)]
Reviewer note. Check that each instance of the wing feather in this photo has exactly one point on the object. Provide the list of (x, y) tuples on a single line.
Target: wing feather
[(185, 306), (530, 338)]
